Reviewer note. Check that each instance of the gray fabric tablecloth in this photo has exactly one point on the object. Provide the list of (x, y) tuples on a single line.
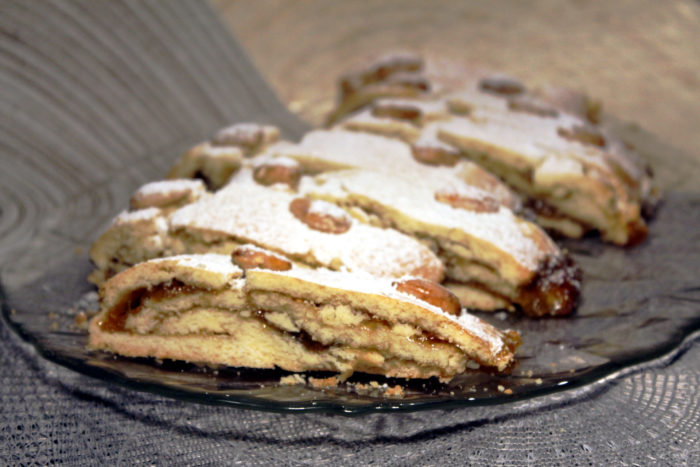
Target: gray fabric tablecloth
[(88, 90)]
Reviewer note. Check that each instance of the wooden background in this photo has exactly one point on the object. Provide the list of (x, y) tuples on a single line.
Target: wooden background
[(641, 57)]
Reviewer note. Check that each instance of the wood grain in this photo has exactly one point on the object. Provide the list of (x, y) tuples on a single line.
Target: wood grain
[(642, 57)]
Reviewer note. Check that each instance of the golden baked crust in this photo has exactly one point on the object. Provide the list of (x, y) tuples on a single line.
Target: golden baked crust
[(203, 308)]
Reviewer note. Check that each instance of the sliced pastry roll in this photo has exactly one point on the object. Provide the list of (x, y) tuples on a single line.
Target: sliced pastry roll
[(311, 232), (544, 143), (573, 178), (493, 258), (269, 313)]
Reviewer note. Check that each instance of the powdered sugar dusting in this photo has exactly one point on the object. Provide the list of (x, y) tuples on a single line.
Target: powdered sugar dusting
[(347, 149), (532, 137), (252, 213), (415, 198), (211, 262), (462, 190), (247, 130), (352, 149), (429, 137), (169, 187), (127, 217), (269, 159), (251, 247), (221, 151), (328, 209)]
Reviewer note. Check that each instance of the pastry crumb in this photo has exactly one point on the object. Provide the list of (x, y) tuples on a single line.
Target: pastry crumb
[(292, 380), (81, 320), (321, 383), (394, 391)]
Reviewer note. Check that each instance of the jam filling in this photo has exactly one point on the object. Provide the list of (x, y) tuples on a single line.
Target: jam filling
[(555, 290), (115, 320)]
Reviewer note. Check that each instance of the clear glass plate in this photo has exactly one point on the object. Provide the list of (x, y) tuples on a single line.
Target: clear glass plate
[(638, 304)]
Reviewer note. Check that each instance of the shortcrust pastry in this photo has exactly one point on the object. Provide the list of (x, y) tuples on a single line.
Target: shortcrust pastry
[(270, 313), (544, 143), (310, 232), (323, 150), (492, 257)]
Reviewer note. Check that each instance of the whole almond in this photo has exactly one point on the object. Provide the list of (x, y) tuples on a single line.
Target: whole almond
[(271, 172), (480, 202), (320, 215), (247, 257), (531, 105), (435, 154), (399, 111), (432, 293), (247, 136), (583, 134), (501, 84)]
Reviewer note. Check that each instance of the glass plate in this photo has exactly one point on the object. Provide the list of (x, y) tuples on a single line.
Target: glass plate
[(637, 304)]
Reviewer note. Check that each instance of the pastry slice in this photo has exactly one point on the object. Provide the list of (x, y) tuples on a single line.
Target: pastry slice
[(314, 233), (493, 258), (323, 150), (272, 314), (573, 178), (545, 143), (215, 160)]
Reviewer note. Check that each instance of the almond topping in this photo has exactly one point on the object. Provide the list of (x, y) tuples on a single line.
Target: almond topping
[(399, 111), (501, 84), (476, 176), (247, 257), (271, 172), (247, 136), (432, 293), (531, 105), (583, 134), (167, 194), (409, 80), (379, 71), (464, 199), (320, 215), (435, 155)]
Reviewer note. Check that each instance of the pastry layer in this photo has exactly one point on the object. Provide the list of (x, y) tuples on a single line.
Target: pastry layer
[(246, 211), (202, 308), (491, 247), (543, 143), (323, 151)]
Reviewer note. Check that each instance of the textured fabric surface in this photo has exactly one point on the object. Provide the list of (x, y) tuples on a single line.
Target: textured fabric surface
[(50, 414), (90, 90)]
